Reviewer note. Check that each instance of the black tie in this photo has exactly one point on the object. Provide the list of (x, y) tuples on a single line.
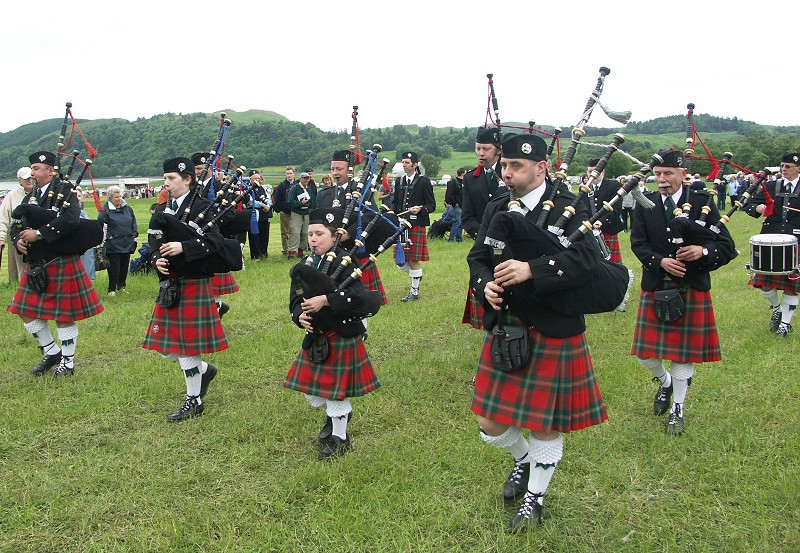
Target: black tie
[(38, 194), (174, 206), (489, 175)]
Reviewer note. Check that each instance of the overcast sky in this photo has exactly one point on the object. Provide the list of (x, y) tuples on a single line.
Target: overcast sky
[(410, 62)]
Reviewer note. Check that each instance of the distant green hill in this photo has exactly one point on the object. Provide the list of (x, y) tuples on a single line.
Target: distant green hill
[(260, 138)]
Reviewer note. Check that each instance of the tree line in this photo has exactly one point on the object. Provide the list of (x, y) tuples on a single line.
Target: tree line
[(129, 148)]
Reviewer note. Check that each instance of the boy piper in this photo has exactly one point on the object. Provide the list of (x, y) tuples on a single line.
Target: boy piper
[(556, 391), (332, 318), (182, 332)]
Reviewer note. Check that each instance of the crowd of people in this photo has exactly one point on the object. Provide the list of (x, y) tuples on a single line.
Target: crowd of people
[(534, 371)]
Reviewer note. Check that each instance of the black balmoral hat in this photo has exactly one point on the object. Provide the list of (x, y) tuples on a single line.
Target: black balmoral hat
[(331, 216), (200, 158), (48, 158), (524, 146), (341, 155), (671, 158), (412, 156), (181, 165), (489, 135), (791, 158)]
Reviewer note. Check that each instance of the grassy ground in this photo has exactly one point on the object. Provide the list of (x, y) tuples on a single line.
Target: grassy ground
[(90, 463)]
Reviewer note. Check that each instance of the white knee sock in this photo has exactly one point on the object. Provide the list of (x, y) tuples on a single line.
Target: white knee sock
[(771, 296), (338, 411), (39, 330), (416, 278), (68, 336), (191, 372), (545, 455), (656, 366), (788, 307), (681, 373), (511, 440)]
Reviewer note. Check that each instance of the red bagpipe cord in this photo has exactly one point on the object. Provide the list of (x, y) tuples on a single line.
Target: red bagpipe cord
[(768, 201), (91, 151)]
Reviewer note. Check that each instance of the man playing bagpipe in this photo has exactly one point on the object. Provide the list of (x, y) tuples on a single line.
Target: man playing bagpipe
[(333, 365), (414, 202), (221, 283), (611, 224), (185, 321), (480, 186), (534, 370), (54, 285), (337, 196), (676, 318), (783, 217)]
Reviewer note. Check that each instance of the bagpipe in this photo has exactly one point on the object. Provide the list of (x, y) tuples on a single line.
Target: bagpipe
[(511, 235), (61, 194)]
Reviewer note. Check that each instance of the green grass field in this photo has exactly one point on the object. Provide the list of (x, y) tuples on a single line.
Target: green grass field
[(90, 463)]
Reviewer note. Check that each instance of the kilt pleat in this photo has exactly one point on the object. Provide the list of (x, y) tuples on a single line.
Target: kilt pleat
[(557, 391), (612, 242), (190, 328), (371, 279), (473, 311), (418, 251), (347, 372), (69, 296), (691, 339), (223, 283), (778, 282)]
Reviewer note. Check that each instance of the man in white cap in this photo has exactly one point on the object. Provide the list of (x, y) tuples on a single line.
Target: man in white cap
[(12, 200)]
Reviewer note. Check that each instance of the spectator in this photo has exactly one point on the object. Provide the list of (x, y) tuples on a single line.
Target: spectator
[(15, 263), (121, 229), (628, 205), (87, 258), (453, 201), (280, 205), (722, 191), (301, 200)]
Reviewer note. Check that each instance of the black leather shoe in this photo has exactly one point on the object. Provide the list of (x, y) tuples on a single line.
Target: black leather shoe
[(783, 330), (208, 376), (336, 447), (63, 370), (675, 423), (516, 485), (188, 410), (223, 308), (529, 514), (410, 297), (47, 363), (661, 403), (327, 428)]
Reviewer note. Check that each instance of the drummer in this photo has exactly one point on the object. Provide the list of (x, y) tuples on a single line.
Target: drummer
[(781, 216)]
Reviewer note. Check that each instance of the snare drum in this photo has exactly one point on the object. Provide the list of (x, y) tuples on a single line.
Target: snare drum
[(773, 254)]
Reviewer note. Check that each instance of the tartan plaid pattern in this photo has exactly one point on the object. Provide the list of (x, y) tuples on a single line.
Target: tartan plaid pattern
[(779, 282), (371, 279), (473, 311), (557, 391), (223, 283), (70, 295), (612, 242), (418, 251), (347, 372), (190, 328), (691, 339)]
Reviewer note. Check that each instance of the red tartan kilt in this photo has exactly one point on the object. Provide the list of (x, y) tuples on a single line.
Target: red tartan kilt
[(473, 311), (691, 339), (418, 251), (557, 391), (371, 279), (778, 282), (347, 372), (190, 328), (612, 242), (223, 283), (69, 296)]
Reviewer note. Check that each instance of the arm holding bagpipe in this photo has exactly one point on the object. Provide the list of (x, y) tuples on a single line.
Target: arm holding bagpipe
[(756, 195)]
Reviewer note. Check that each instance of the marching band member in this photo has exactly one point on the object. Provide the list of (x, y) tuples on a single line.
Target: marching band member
[(69, 295), (693, 337), (611, 224), (221, 283), (346, 371), (784, 219), (480, 186), (556, 391), (191, 327), (414, 201)]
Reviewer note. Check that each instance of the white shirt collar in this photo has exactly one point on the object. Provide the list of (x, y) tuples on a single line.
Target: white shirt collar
[(532, 198)]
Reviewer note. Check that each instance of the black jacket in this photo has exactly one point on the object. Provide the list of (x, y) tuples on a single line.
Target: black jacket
[(454, 193), (555, 273), (650, 241), (478, 191), (121, 228), (419, 192), (326, 196), (782, 220)]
